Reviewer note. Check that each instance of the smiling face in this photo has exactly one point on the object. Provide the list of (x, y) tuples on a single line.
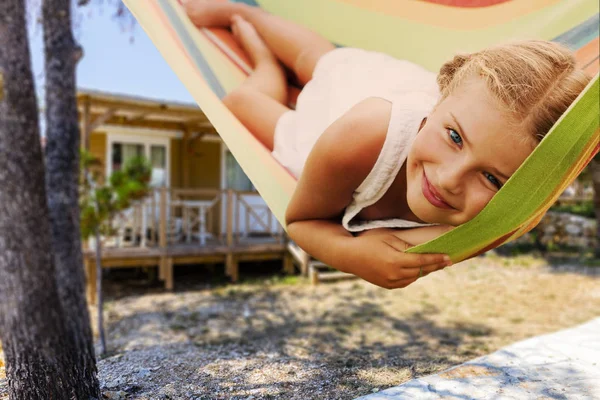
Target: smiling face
[(465, 152)]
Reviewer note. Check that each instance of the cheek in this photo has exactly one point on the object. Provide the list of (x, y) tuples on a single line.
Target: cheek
[(419, 152), (477, 199), (430, 147)]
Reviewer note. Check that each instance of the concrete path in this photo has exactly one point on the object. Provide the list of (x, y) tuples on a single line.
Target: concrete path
[(561, 365)]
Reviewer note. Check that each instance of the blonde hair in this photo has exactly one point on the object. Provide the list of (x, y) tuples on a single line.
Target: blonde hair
[(536, 80)]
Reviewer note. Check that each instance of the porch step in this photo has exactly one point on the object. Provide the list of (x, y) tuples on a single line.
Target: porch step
[(320, 272), (314, 269), (299, 257)]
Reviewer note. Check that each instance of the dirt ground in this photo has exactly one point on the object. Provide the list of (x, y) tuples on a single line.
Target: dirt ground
[(273, 337)]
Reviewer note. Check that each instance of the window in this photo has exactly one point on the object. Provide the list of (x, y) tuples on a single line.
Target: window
[(123, 152), (155, 150), (158, 160), (236, 178)]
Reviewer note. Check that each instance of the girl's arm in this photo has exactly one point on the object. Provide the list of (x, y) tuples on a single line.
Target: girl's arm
[(339, 162)]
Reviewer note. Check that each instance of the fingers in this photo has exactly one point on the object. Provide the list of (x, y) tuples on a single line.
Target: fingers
[(411, 260), (404, 282), (423, 271), (395, 275), (397, 243), (414, 259)]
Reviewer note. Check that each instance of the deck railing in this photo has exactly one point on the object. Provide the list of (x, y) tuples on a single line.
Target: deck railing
[(203, 217)]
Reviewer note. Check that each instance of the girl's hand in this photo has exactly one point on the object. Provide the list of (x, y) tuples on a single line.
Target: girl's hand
[(380, 258)]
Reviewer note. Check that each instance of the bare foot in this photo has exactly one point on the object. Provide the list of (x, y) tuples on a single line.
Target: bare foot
[(210, 13), (251, 41)]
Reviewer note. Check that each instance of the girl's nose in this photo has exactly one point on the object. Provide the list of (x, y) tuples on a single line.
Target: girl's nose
[(451, 177)]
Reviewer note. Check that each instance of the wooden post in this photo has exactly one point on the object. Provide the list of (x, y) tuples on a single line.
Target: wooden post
[(288, 263), (169, 274), (236, 219), (304, 263), (313, 275), (185, 158), (153, 218), (229, 218), (90, 272), (232, 267), (161, 271), (162, 241), (229, 259)]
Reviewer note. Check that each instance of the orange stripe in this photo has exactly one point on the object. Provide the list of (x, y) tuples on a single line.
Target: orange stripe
[(227, 38), (593, 68), (224, 38), (588, 53)]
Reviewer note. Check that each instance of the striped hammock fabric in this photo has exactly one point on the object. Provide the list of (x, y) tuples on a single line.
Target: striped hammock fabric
[(427, 32)]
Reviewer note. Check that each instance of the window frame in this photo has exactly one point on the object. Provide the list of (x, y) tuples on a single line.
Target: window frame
[(146, 141)]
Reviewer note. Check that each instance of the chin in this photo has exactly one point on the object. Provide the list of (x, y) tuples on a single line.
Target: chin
[(420, 211), (428, 215)]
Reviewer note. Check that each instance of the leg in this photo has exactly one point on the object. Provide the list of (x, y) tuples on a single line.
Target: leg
[(298, 48), (267, 76), (257, 111), (259, 102)]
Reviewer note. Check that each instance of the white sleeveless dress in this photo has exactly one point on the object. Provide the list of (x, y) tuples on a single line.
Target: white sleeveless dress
[(343, 78)]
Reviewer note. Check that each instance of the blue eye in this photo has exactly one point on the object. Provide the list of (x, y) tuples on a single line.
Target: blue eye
[(454, 136), (493, 179)]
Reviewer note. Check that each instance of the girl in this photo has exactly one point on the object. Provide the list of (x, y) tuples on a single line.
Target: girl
[(379, 144)]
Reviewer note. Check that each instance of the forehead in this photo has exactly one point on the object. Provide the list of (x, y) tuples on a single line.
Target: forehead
[(492, 132)]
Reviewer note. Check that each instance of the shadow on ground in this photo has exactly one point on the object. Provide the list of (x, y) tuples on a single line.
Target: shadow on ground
[(248, 339)]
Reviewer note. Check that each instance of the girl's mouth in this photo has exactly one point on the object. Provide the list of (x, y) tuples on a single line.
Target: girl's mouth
[(432, 195)]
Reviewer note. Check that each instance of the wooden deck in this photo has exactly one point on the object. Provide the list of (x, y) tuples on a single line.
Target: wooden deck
[(228, 245)]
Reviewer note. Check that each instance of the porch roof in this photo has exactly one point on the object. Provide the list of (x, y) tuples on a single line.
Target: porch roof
[(97, 109)]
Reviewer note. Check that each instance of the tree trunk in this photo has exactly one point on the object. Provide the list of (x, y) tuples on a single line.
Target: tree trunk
[(594, 167), (62, 186), (40, 356)]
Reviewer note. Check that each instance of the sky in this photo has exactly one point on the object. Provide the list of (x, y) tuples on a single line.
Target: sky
[(111, 61)]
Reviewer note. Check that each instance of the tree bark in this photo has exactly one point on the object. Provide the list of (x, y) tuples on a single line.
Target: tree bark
[(62, 186), (594, 167), (38, 351)]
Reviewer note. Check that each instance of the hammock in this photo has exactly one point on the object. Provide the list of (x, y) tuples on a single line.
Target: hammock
[(210, 64)]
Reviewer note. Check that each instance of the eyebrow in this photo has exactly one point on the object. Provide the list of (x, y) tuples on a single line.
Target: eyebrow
[(464, 136)]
